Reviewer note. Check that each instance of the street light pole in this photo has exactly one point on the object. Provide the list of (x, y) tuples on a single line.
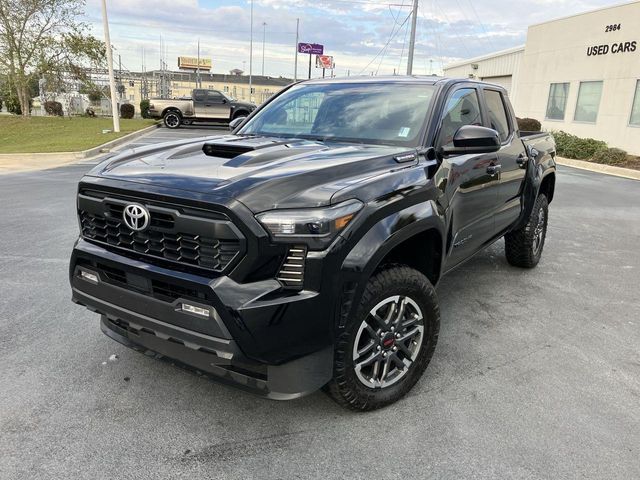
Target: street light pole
[(251, 51), (295, 67), (412, 41), (264, 36), (112, 81)]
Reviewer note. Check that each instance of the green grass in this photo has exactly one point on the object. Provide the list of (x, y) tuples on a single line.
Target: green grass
[(55, 134)]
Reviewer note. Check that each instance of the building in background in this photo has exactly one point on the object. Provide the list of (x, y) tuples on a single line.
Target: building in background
[(579, 74), (180, 84)]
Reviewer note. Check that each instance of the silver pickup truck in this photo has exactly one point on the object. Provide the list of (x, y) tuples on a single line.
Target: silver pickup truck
[(202, 106)]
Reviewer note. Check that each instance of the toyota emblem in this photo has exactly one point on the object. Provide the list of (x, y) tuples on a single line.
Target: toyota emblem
[(136, 217)]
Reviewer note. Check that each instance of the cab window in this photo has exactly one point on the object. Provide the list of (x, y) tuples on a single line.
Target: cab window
[(462, 108), (498, 119)]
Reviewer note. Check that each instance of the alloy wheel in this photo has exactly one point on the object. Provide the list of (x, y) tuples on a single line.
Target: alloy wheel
[(388, 342)]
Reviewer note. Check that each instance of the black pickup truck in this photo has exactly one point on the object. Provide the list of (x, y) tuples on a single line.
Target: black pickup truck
[(302, 250)]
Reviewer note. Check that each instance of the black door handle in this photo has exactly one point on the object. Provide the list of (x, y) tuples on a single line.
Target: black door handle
[(522, 160), (493, 169)]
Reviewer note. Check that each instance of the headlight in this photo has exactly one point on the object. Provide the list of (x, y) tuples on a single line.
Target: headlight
[(315, 226)]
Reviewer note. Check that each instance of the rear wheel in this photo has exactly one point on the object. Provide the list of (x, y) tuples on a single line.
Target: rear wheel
[(523, 247), (172, 119), (388, 345)]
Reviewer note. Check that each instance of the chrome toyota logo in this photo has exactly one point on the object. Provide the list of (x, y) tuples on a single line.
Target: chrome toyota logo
[(136, 217)]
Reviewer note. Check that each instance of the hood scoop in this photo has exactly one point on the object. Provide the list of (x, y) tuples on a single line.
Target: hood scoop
[(234, 148)]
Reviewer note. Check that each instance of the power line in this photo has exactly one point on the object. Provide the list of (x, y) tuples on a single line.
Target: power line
[(391, 36)]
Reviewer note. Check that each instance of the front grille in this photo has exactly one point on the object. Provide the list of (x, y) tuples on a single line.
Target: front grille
[(172, 235)]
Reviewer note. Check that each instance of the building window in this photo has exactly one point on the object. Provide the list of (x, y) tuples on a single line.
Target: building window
[(588, 102), (558, 93), (497, 113), (635, 108), (226, 88)]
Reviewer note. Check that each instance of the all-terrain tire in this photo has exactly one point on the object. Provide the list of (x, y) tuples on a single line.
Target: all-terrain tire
[(523, 247), (346, 388)]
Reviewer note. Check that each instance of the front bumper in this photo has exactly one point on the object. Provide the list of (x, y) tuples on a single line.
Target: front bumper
[(240, 344)]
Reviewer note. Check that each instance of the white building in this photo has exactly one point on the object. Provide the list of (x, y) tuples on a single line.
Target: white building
[(579, 74)]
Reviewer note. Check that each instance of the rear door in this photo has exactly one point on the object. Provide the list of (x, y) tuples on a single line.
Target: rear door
[(511, 158), (472, 185), (199, 98)]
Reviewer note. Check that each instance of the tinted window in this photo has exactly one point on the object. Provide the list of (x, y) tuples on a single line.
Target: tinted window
[(379, 113), (198, 95), (214, 97), (497, 114), (588, 102), (462, 108), (558, 94), (635, 108)]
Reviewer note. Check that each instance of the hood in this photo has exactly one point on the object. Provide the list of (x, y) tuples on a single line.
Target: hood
[(261, 172)]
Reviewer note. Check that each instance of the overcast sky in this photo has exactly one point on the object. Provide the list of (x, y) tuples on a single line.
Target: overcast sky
[(364, 36)]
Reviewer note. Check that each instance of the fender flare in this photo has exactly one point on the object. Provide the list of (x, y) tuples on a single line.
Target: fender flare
[(389, 232), (536, 173)]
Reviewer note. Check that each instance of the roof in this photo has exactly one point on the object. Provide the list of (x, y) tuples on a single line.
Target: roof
[(429, 79), (224, 78), (500, 53)]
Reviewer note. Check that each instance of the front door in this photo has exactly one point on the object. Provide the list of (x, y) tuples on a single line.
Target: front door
[(211, 104), (472, 182), (511, 158)]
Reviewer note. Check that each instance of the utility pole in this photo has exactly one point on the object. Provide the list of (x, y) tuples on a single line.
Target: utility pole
[(295, 67), (112, 81), (198, 85), (251, 51), (264, 36), (412, 40)]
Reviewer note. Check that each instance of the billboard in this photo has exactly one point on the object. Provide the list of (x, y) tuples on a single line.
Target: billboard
[(311, 48), (324, 61), (191, 63)]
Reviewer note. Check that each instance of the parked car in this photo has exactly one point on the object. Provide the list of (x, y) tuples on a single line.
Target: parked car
[(201, 106), (303, 249)]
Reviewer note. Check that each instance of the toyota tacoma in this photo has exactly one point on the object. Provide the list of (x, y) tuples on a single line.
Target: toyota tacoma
[(302, 249)]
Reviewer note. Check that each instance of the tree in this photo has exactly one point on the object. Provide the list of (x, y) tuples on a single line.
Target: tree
[(44, 38)]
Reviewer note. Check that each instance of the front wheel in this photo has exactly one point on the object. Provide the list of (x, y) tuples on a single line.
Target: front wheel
[(387, 346), (172, 119), (523, 247)]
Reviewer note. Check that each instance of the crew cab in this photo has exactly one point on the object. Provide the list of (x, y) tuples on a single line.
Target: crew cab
[(302, 250), (201, 106)]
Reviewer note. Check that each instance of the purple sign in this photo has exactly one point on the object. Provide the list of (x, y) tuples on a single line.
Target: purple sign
[(311, 48)]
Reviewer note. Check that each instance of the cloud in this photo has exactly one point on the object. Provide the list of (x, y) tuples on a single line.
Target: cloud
[(355, 32)]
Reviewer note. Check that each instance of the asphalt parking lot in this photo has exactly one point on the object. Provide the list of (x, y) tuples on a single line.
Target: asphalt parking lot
[(536, 374)]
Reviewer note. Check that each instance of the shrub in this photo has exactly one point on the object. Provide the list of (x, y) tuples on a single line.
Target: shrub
[(529, 124), (127, 110), (570, 146), (90, 112), (0, 104), (144, 108), (610, 156), (53, 108)]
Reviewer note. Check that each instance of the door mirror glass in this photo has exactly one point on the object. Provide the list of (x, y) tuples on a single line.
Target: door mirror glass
[(233, 124), (473, 139)]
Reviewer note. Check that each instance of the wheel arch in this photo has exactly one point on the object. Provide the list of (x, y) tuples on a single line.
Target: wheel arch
[(172, 109), (414, 237)]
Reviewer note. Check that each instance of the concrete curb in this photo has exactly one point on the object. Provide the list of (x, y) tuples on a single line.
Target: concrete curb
[(600, 168), (23, 162)]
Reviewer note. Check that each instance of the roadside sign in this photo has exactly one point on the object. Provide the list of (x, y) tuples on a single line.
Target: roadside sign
[(311, 48), (324, 61)]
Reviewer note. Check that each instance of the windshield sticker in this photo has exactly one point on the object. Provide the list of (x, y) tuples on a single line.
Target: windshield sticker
[(404, 132)]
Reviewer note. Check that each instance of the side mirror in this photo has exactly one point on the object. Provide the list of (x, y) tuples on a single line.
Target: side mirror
[(473, 139), (235, 122), (224, 100)]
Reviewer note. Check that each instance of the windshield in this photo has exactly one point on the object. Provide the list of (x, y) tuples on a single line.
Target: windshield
[(378, 113)]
